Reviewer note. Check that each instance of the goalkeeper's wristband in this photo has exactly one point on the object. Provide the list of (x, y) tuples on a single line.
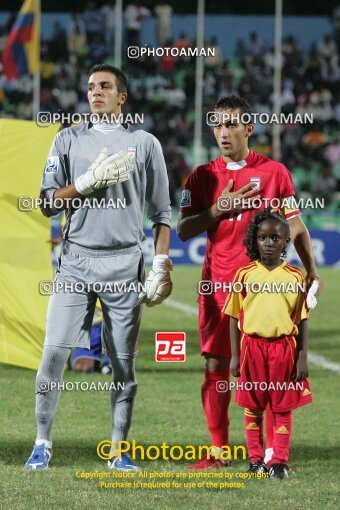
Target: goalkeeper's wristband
[(161, 263), (84, 183)]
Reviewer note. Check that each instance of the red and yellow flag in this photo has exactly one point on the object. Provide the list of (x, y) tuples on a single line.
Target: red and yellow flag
[(21, 53)]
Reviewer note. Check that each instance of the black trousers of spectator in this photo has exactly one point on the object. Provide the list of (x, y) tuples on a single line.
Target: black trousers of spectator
[(132, 37)]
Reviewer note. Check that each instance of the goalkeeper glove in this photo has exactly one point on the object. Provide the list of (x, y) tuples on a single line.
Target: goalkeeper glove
[(158, 285), (311, 298), (105, 171)]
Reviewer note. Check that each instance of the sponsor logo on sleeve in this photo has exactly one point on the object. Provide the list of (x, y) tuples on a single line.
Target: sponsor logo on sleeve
[(186, 198), (52, 165)]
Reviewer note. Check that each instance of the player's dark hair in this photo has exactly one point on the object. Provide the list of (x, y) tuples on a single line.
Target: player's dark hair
[(233, 103), (120, 76), (250, 240)]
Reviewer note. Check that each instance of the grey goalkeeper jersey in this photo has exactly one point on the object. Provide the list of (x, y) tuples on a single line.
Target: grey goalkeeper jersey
[(72, 153)]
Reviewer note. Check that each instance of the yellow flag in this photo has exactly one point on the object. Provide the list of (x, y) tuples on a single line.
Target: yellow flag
[(25, 253)]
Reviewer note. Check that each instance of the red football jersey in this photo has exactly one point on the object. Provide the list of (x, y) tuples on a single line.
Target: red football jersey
[(225, 252)]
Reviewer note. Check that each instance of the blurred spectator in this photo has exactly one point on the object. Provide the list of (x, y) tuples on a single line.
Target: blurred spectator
[(163, 12), (167, 61), (98, 50), (333, 152), (216, 60), (292, 57), (313, 67), (67, 97), (315, 137), (173, 96), (290, 46), (76, 26), (77, 40), (240, 49), (254, 46), (336, 21), (183, 127), (93, 20), (58, 43), (182, 42), (109, 13), (329, 59), (327, 48), (325, 185), (134, 15)]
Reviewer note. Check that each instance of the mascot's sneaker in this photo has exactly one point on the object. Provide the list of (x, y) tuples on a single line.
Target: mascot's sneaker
[(257, 467), (125, 463), (279, 471), (39, 458)]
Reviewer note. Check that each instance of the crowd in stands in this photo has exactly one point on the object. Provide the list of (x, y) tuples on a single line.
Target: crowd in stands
[(163, 89)]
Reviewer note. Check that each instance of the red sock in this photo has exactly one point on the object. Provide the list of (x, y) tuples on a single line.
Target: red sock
[(253, 421), (216, 405), (269, 427), (282, 436)]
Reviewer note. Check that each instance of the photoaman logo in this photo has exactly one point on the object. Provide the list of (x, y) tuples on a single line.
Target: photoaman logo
[(170, 347)]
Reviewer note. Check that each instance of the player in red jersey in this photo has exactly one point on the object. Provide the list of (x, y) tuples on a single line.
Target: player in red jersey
[(241, 176)]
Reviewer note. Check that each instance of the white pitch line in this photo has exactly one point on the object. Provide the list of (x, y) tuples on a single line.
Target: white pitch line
[(191, 310), (323, 362), (316, 359)]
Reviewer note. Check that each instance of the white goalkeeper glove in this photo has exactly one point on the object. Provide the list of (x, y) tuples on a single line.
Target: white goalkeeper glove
[(105, 171), (311, 298), (158, 285)]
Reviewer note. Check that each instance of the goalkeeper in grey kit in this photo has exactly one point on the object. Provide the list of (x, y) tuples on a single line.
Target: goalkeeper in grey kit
[(106, 161)]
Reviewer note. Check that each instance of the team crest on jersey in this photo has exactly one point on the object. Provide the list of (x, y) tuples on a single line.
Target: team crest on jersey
[(132, 151), (186, 198), (256, 181), (52, 165)]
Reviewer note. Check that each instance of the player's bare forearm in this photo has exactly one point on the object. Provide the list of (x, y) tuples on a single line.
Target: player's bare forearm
[(62, 198), (161, 236), (235, 347), (67, 192), (192, 226), (302, 338), (301, 239), (234, 337), (302, 351)]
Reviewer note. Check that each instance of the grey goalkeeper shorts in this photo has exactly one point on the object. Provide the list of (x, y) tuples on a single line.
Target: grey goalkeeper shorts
[(113, 276)]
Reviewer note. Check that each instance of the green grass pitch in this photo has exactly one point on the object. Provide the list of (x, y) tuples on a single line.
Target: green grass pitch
[(168, 409)]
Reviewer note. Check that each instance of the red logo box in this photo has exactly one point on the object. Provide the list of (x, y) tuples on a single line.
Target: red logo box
[(170, 347)]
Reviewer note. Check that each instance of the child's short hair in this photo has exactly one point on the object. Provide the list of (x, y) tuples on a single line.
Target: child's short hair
[(250, 240)]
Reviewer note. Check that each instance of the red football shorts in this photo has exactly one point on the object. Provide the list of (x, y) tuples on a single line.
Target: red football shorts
[(214, 330), (271, 362)]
